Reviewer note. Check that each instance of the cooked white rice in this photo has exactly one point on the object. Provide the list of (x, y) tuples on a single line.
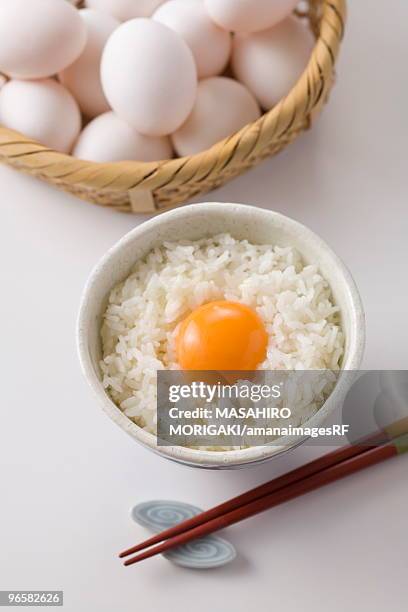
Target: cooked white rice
[(293, 300)]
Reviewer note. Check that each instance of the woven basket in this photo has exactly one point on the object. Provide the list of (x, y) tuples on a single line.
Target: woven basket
[(141, 187)]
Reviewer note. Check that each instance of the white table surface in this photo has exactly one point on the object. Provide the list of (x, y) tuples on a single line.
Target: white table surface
[(69, 475)]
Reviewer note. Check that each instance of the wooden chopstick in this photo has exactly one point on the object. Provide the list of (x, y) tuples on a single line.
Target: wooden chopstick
[(367, 458), (265, 489)]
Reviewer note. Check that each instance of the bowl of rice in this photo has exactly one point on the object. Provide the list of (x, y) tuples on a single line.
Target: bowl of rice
[(167, 267)]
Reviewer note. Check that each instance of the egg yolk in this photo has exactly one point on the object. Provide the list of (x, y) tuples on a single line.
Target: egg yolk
[(221, 336)]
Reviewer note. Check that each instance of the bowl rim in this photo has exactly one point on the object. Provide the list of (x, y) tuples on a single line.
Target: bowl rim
[(193, 457)]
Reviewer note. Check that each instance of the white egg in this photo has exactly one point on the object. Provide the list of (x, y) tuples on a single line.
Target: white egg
[(223, 106), (149, 76), (38, 38), (211, 45), (42, 110), (125, 9), (109, 139), (269, 63), (82, 78), (249, 15)]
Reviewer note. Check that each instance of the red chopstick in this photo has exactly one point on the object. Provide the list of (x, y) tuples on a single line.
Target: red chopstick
[(273, 485), (369, 456)]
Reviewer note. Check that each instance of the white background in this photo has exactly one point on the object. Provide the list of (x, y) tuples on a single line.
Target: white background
[(69, 475)]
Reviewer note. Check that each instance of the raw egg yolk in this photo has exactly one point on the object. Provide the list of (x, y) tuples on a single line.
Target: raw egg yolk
[(222, 335)]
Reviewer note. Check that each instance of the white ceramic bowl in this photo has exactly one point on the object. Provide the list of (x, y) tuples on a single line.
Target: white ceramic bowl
[(194, 222)]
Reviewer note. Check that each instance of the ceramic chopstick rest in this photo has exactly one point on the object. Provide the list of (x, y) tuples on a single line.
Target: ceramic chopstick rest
[(205, 553)]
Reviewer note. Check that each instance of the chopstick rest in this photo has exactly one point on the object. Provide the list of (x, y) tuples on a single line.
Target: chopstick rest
[(204, 553)]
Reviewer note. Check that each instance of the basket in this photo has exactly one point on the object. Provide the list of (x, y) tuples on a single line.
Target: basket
[(141, 187)]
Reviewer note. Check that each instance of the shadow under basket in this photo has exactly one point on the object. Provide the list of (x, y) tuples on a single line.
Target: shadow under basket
[(141, 187)]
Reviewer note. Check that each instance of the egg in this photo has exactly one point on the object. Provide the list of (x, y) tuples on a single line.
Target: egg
[(222, 336), (39, 38), (249, 15), (42, 110), (109, 139), (211, 45), (223, 106), (82, 78), (269, 63), (125, 9), (149, 76)]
